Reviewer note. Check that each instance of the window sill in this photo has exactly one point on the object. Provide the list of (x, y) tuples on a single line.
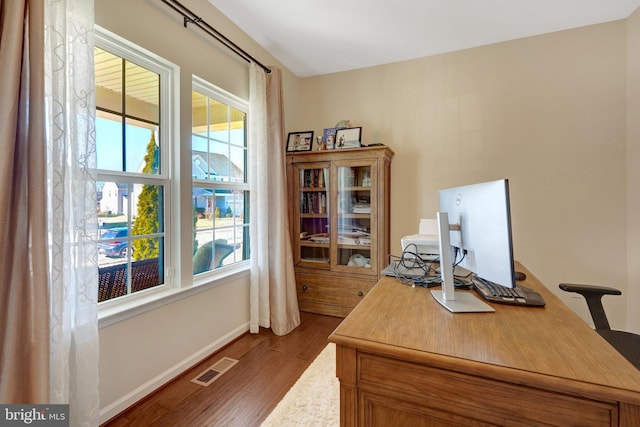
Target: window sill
[(144, 301)]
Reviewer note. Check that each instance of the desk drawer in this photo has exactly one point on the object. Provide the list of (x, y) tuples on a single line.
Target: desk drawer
[(429, 390)]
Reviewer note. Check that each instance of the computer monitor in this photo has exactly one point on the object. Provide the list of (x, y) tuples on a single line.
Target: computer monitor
[(483, 239), (474, 224)]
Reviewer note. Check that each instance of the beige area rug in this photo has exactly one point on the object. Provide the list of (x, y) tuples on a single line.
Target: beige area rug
[(314, 400)]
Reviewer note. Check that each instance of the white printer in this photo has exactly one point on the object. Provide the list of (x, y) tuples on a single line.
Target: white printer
[(426, 241)]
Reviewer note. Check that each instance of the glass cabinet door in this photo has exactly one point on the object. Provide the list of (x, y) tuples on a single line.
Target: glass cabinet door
[(313, 215), (355, 214)]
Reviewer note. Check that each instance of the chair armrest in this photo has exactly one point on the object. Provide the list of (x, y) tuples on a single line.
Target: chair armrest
[(589, 289), (593, 295)]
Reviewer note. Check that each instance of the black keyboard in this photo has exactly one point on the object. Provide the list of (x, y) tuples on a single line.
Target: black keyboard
[(520, 295)]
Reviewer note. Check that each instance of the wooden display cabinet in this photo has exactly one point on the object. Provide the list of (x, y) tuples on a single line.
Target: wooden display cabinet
[(339, 215)]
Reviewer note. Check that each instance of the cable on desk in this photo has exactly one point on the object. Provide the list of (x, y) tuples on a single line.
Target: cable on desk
[(410, 260)]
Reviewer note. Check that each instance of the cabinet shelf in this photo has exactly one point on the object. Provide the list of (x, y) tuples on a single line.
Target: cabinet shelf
[(356, 189), (327, 186), (356, 215), (352, 246), (318, 260)]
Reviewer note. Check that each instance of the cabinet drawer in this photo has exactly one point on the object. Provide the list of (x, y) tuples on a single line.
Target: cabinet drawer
[(332, 289), (477, 398)]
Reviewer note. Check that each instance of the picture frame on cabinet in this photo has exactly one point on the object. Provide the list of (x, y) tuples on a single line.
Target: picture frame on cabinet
[(329, 137), (300, 141), (348, 138)]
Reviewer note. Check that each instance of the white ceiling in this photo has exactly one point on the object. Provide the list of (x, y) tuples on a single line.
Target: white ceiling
[(313, 37)]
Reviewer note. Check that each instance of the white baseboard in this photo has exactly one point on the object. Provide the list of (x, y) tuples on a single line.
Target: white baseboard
[(137, 394)]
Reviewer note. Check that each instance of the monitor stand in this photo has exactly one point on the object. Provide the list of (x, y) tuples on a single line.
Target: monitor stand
[(455, 302), (464, 302)]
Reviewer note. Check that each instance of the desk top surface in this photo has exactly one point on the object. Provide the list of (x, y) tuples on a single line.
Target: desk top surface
[(529, 344)]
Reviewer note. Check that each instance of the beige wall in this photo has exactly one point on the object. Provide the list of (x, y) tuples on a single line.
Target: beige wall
[(138, 354), (633, 173), (547, 112)]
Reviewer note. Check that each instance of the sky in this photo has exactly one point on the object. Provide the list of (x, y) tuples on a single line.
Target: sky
[(109, 145)]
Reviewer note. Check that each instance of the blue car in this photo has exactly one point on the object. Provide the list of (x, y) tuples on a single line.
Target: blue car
[(117, 245)]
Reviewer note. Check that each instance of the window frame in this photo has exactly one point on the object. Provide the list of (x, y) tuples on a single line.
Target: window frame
[(168, 86), (213, 91)]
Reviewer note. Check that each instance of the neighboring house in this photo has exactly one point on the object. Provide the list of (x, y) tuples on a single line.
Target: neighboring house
[(208, 166), (114, 198), (214, 167)]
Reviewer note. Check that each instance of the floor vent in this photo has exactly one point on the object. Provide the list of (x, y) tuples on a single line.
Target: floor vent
[(214, 372)]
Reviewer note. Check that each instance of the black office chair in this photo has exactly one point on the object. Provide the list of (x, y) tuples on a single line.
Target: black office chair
[(627, 343)]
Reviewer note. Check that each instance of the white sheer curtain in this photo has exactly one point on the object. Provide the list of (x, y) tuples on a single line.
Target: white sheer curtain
[(274, 302), (71, 207)]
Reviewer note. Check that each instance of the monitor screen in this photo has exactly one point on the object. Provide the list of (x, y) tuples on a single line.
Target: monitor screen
[(483, 241)]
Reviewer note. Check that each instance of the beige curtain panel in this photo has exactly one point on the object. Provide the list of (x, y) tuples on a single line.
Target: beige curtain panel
[(274, 303), (24, 304)]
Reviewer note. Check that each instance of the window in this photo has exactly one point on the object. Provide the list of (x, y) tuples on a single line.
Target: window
[(133, 90), (220, 184), (138, 186)]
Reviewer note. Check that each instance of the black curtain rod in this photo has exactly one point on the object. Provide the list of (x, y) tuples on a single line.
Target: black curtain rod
[(191, 18)]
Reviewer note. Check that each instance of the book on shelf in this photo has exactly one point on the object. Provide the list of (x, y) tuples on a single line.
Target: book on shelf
[(313, 178), (350, 229), (314, 203), (316, 238), (362, 208), (349, 240), (320, 179)]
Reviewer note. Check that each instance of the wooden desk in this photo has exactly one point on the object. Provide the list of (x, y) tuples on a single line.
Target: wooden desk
[(402, 359)]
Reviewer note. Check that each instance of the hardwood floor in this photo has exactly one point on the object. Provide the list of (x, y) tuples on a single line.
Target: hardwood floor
[(243, 396)]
